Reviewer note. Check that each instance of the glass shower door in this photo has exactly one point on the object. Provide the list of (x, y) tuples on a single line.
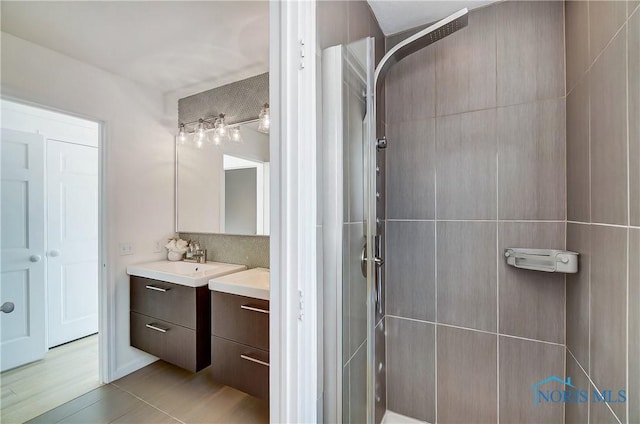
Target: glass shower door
[(358, 305), (348, 307)]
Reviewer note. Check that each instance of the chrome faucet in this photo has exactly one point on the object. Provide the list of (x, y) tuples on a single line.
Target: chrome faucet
[(195, 254)]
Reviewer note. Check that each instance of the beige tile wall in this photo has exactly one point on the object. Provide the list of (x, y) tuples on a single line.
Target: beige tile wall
[(603, 204), (475, 164)]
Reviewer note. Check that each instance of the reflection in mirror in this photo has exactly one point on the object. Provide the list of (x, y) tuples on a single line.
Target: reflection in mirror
[(223, 187)]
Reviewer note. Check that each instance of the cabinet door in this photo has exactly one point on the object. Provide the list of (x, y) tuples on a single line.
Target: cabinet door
[(170, 342), (239, 366), (241, 319), (166, 301)]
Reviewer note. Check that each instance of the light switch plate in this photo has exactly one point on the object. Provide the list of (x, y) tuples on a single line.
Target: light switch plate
[(126, 248), (157, 246)]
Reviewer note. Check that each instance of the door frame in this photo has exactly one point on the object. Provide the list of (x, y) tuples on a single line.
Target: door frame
[(295, 392), (106, 304)]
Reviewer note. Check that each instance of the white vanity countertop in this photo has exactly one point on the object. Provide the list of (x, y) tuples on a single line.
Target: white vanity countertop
[(251, 283), (184, 273)]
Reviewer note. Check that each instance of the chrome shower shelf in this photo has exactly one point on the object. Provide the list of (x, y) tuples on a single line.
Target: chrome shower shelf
[(547, 260)]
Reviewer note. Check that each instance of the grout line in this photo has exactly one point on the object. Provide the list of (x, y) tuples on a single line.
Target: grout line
[(594, 385), (602, 224), (435, 263), (523, 221), (476, 330), (628, 261), (151, 405), (593, 62)]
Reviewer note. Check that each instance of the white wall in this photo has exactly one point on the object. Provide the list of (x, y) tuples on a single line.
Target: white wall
[(139, 161)]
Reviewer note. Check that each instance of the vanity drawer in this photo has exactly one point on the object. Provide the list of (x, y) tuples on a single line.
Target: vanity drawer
[(170, 342), (242, 319), (239, 366), (166, 301)]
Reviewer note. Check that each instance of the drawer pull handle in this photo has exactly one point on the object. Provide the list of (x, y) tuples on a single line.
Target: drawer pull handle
[(155, 327), (254, 309), (257, 361), (160, 289)]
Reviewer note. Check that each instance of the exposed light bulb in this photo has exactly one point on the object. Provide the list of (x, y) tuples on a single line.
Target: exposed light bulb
[(217, 140), (199, 136), (235, 135), (182, 135), (264, 120), (220, 126)]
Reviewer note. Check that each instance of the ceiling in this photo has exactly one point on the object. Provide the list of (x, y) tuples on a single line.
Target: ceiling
[(168, 45), (400, 15)]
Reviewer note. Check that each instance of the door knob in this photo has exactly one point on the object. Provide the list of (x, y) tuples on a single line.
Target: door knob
[(35, 258), (54, 253), (7, 307)]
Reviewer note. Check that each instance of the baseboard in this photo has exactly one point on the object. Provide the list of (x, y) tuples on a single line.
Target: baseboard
[(133, 366)]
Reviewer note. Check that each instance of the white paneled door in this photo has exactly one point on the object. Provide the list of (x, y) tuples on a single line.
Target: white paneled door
[(22, 287), (72, 241)]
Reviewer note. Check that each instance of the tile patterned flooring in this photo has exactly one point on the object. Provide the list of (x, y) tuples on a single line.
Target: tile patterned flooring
[(161, 393)]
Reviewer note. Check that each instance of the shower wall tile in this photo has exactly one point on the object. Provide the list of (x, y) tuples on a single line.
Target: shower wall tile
[(634, 325), (605, 19), (608, 309), (356, 110), (523, 363), (467, 280), (346, 392), (331, 23), (576, 412), (609, 134), (634, 112), (531, 303), (530, 51), (579, 240), (381, 372), (411, 170), (632, 5), (466, 141), (411, 270), (531, 161), (358, 386), (358, 16), (466, 66), (357, 289), (410, 88), (411, 368), (467, 383), (578, 179), (576, 40), (599, 413)]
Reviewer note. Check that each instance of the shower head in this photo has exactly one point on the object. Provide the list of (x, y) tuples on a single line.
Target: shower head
[(420, 40)]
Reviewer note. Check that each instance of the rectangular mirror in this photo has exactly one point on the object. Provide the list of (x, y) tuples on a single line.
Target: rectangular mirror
[(223, 187)]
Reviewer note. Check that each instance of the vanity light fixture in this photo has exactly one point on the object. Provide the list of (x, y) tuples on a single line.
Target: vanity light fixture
[(264, 121), (214, 130)]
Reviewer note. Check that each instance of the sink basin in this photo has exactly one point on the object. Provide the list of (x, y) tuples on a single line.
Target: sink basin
[(183, 273), (251, 283)]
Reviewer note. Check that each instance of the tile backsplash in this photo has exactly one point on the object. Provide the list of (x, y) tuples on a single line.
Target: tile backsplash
[(252, 251)]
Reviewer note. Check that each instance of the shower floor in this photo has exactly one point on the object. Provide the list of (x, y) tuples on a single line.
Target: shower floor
[(393, 418)]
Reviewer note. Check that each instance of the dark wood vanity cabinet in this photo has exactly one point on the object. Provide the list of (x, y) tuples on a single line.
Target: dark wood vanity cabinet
[(240, 343), (171, 322)]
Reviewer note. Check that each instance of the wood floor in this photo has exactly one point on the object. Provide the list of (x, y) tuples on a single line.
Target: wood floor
[(65, 373), (161, 393)]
